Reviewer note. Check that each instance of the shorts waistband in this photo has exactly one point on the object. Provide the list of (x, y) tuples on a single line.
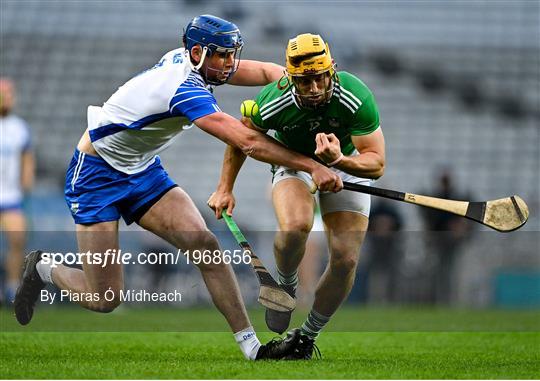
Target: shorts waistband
[(89, 158)]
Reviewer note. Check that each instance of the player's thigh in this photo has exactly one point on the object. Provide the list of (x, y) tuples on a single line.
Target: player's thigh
[(176, 219), (346, 227), (13, 225), (345, 232), (97, 239), (293, 202), (345, 216), (345, 221)]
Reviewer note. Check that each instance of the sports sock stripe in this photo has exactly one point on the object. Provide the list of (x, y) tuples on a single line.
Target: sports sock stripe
[(288, 279), (314, 324)]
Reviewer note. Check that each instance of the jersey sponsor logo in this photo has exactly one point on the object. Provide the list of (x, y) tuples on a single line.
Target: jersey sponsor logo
[(178, 58), (159, 64), (290, 128)]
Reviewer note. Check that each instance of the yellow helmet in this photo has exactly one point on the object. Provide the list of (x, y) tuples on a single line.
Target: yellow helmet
[(308, 54), (309, 64)]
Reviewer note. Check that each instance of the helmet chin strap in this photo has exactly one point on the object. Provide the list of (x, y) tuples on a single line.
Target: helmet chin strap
[(214, 82), (199, 65)]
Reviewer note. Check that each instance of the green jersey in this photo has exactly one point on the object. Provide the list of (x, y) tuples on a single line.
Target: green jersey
[(351, 111)]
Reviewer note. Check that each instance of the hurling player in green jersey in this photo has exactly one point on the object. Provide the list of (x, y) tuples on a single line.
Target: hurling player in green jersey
[(332, 117)]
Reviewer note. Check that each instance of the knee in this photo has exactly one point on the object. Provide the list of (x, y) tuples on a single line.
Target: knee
[(201, 240), (106, 306), (296, 226), (204, 251), (344, 265)]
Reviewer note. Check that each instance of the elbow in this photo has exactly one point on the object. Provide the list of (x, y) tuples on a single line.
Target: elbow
[(247, 144), (379, 171), (377, 175)]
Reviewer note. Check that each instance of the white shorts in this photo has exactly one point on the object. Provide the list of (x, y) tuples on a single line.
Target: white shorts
[(344, 201)]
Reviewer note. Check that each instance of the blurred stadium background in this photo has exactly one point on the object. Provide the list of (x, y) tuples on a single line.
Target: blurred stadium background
[(457, 84)]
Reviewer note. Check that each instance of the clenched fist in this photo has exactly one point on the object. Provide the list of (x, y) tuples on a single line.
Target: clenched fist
[(328, 148)]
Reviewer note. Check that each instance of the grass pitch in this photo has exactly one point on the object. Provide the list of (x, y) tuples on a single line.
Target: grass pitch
[(146, 351)]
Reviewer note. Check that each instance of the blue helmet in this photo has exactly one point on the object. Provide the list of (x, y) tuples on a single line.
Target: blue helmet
[(212, 32)]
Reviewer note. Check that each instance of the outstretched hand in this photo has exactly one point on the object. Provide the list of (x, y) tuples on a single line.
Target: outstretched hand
[(220, 200)]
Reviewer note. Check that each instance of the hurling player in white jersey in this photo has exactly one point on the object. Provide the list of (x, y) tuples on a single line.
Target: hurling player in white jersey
[(16, 179), (115, 172)]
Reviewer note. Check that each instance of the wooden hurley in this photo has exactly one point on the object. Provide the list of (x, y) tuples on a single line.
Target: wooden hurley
[(505, 214), (271, 295)]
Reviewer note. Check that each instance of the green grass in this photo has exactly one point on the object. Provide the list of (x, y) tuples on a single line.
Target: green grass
[(151, 353)]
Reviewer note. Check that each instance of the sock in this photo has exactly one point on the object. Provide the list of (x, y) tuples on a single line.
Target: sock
[(288, 279), (314, 324), (248, 342), (44, 271)]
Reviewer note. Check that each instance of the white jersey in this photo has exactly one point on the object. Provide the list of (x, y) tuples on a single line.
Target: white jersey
[(14, 141), (143, 116)]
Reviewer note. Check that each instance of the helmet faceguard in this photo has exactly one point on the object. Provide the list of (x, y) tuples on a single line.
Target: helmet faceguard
[(215, 36), (312, 91), (310, 70)]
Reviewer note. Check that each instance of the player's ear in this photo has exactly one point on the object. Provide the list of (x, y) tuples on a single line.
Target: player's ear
[(196, 53)]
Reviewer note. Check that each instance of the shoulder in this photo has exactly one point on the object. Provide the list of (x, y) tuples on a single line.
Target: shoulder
[(354, 85), (175, 56), (274, 98), (17, 123), (273, 91), (352, 92), (18, 128)]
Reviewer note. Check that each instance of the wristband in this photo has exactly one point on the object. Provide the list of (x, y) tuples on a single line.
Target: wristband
[(335, 161)]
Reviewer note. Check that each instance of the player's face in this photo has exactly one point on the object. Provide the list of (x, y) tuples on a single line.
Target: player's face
[(313, 89), (220, 65), (7, 96)]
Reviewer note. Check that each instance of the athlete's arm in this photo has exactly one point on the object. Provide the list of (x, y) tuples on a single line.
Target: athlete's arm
[(233, 159), (27, 170), (256, 73), (370, 161), (263, 148)]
